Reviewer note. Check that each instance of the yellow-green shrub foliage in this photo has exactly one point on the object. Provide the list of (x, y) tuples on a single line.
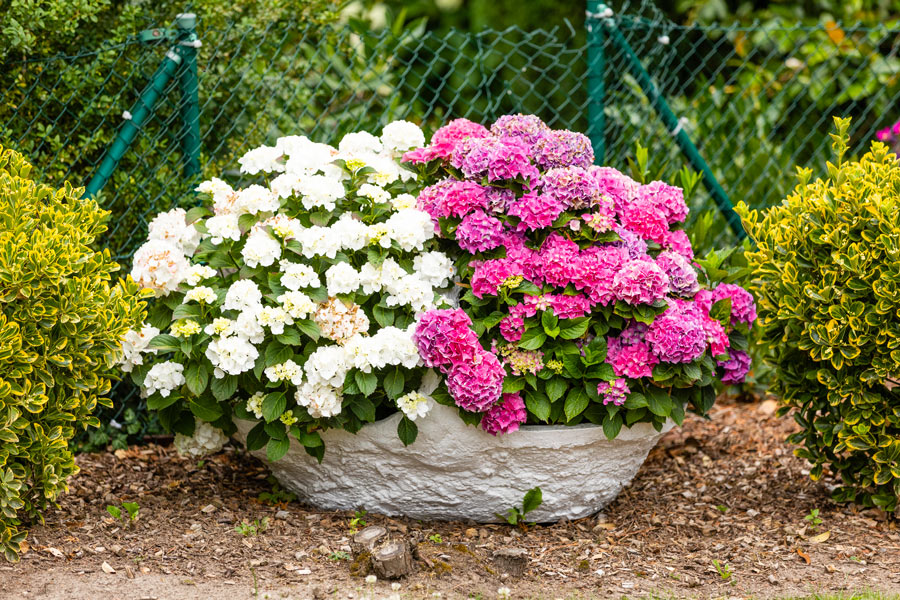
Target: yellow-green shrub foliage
[(61, 322), (827, 277)]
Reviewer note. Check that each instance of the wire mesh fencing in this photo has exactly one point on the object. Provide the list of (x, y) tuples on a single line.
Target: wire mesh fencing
[(752, 100)]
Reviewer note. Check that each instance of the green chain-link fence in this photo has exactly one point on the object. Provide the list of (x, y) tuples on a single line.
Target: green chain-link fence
[(755, 100), (752, 101)]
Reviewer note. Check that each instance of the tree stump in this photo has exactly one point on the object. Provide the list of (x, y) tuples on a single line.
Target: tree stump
[(513, 561), (367, 539), (392, 560)]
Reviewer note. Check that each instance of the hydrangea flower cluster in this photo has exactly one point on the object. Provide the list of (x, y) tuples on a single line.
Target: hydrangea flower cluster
[(583, 298), (292, 301)]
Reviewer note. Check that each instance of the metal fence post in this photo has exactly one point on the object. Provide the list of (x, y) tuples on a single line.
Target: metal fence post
[(672, 123), (596, 78), (134, 120), (190, 93)]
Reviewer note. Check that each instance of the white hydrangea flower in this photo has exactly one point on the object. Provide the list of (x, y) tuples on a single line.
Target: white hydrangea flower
[(385, 172), (297, 304), (247, 325), (207, 439), (339, 322), (284, 226), (352, 232), (319, 241), (201, 293), (414, 405), (286, 371), (362, 352), (321, 401), (243, 294), (231, 355), (304, 155), (411, 291), (215, 187), (160, 266), (320, 191), (370, 278), (254, 404), (327, 365), (391, 273), (410, 228), (398, 347), (434, 267), (286, 184), (359, 142), (134, 346), (403, 201), (163, 378), (341, 278), (257, 199), (373, 192), (260, 249), (220, 326), (172, 227), (275, 318), (198, 273), (264, 158), (400, 136), (185, 328), (378, 234), (298, 275), (223, 227)]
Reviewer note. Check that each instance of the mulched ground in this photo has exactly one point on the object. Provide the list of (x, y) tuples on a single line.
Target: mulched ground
[(726, 490)]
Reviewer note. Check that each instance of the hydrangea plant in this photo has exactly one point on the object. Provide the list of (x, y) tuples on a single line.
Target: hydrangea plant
[(582, 301), (291, 302)]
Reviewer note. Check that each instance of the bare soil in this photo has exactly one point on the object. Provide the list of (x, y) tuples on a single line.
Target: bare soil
[(724, 491)]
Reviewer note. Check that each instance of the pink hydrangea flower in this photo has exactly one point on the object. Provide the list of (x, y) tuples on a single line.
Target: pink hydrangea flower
[(452, 198), (743, 306), (445, 337), (499, 199), (631, 360), (479, 231), (668, 199), (476, 384), (573, 187), (563, 148), (618, 186), (506, 416), (491, 274), (677, 335), (472, 156), (560, 260), (704, 299), (682, 276), (614, 392), (569, 307), (596, 269), (736, 367), (528, 127), (510, 158), (535, 211), (716, 336), (457, 130), (643, 218), (678, 241), (640, 282), (429, 153), (512, 328), (632, 242)]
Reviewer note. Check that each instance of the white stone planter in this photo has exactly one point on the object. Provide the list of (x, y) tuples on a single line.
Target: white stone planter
[(454, 471)]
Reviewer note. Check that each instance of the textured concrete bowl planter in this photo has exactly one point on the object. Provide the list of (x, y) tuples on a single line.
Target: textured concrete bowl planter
[(454, 471)]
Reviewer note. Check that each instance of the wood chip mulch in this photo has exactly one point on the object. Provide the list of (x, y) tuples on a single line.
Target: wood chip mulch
[(725, 492)]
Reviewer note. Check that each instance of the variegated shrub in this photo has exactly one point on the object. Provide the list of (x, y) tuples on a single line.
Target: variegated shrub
[(827, 275), (61, 322)]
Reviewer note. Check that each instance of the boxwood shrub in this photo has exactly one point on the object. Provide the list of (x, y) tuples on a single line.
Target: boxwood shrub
[(827, 276), (61, 321)]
